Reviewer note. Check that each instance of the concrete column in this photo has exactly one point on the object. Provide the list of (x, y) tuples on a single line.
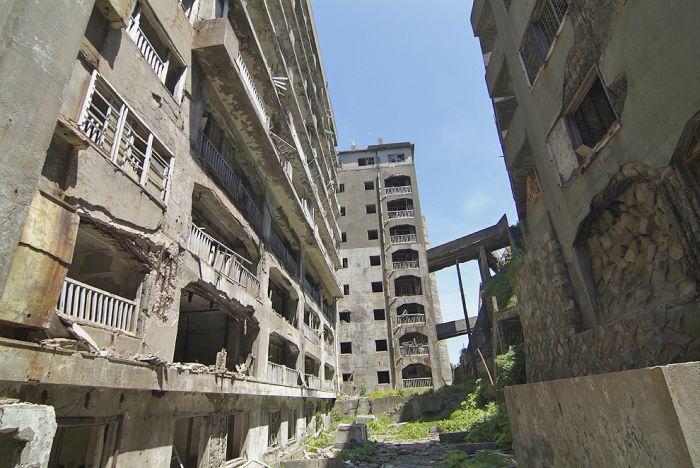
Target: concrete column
[(26, 434), (38, 54)]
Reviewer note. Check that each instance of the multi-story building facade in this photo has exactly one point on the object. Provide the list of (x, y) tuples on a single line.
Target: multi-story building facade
[(600, 143), (390, 306), (169, 255)]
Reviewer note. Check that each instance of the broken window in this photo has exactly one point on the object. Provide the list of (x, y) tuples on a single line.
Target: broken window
[(156, 50), (346, 289), (186, 441), (346, 347), (345, 262), (592, 119), (375, 260), (284, 303), (379, 314), (380, 345), (369, 185), (365, 161), (78, 443), (383, 377), (237, 431), (344, 316), (370, 209), (343, 237), (408, 286), (377, 286), (123, 138), (342, 211), (539, 36), (341, 188), (347, 376), (273, 428), (292, 424), (372, 234), (396, 158)]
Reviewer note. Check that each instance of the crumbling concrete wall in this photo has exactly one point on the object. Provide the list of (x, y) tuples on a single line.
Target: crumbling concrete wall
[(31, 429), (645, 417)]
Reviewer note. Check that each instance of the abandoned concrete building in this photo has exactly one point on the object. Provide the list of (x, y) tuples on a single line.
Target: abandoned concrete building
[(598, 111), (390, 307), (169, 242)]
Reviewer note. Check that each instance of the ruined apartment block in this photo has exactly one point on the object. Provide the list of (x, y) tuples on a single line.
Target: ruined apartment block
[(597, 108), (169, 247), (390, 306)]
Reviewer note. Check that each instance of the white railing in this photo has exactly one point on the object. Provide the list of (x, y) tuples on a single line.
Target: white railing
[(250, 85), (313, 381), (398, 190), (418, 383), (416, 350), (222, 259), (410, 319), (283, 375), (401, 214), (405, 265), (229, 180), (403, 238), (311, 335), (146, 48), (85, 302)]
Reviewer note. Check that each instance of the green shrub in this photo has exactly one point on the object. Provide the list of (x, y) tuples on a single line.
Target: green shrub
[(501, 285), (361, 453), (511, 367), (363, 390)]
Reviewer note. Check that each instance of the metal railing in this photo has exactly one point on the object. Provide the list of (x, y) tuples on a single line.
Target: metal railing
[(85, 302), (403, 238), (417, 350), (282, 375), (408, 291), (313, 381), (401, 214), (398, 190), (284, 255), (405, 265), (417, 383), (250, 85), (410, 319), (314, 293), (146, 48), (231, 183), (222, 259)]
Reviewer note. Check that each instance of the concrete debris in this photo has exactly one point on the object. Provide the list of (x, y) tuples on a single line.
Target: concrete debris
[(149, 359)]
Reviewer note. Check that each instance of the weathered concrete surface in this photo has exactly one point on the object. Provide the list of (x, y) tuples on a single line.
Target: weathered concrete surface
[(32, 427), (645, 417), (315, 463), (41, 47), (348, 435)]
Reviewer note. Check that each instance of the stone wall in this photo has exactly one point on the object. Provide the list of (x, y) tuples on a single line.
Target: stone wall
[(639, 248)]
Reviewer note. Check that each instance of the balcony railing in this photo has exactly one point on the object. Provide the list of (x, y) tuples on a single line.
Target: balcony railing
[(282, 375), (85, 302), (403, 238), (222, 259), (313, 381), (250, 86), (408, 291), (401, 214), (398, 190), (313, 292), (311, 334), (410, 319), (284, 255), (414, 350), (418, 383), (146, 48), (231, 183), (406, 265)]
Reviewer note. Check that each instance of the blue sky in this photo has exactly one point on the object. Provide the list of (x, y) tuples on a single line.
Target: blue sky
[(411, 70)]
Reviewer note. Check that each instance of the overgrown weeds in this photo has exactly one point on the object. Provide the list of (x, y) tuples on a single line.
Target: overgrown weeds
[(481, 459)]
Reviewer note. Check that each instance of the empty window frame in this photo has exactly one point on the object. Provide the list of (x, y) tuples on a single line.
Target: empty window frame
[(380, 345), (157, 51), (347, 376), (343, 237), (190, 7), (341, 188), (123, 138), (592, 119), (344, 316), (342, 211), (346, 347), (377, 286), (539, 36), (365, 161), (379, 314), (395, 158), (383, 377), (346, 289), (274, 425), (375, 260), (370, 209), (369, 185), (345, 262), (372, 234)]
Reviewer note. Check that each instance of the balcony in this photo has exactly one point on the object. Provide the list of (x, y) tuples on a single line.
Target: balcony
[(282, 375), (411, 319), (283, 255), (313, 381), (398, 190), (405, 265), (87, 303), (401, 214), (312, 335), (418, 383), (313, 293), (414, 350), (403, 238), (222, 259), (213, 160)]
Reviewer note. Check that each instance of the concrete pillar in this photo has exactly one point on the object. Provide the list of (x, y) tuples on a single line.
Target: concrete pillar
[(26, 434), (39, 51)]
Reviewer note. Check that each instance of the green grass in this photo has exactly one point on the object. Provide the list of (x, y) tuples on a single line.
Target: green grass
[(360, 453), (481, 459)]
